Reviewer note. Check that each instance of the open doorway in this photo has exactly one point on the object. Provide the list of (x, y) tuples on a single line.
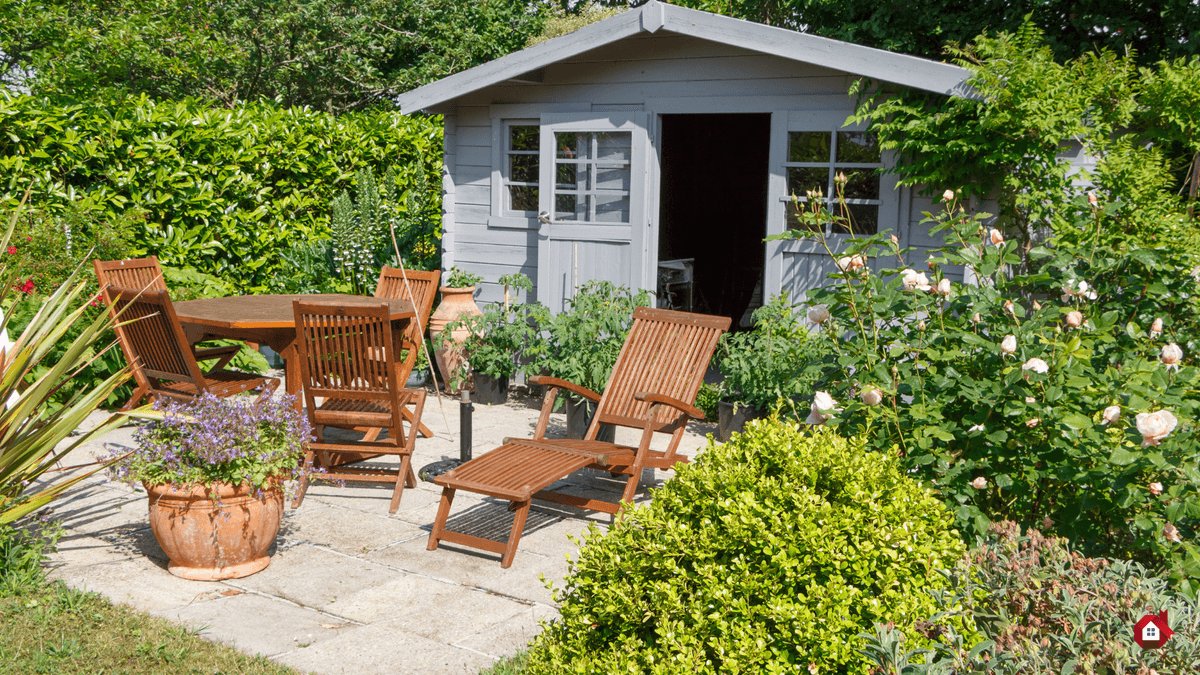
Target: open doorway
[(713, 206)]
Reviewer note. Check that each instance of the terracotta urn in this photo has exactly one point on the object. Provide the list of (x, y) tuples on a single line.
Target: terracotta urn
[(456, 304), (207, 541)]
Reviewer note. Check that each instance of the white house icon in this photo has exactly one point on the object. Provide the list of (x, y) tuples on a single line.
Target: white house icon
[(1150, 632)]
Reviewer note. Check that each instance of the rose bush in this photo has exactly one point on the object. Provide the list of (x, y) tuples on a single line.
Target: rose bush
[(1036, 395)]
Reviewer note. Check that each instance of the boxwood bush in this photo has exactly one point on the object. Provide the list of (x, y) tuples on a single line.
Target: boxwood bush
[(770, 554)]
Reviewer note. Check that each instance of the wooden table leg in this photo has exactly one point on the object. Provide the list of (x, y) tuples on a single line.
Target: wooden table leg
[(291, 370)]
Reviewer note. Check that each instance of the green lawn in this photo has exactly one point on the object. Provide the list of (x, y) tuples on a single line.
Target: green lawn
[(53, 629)]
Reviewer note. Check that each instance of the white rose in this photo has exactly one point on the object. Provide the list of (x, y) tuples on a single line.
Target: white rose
[(815, 418), (1111, 414), (843, 263), (914, 279), (1036, 365), (997, 237), (948, 196), (1155, 426), (1074, 319), (1033, 422), (823, 402), (1008, 307), (979, 483), (943, 287), (1156, 328), (818, 314), (1171, 355), (974, 428), (1155, 489), (871, 396), (1009, 344), (975, 318)]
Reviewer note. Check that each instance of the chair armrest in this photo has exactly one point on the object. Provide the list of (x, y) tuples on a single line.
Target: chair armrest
[(547, 381), (216, 352), (650, 397)]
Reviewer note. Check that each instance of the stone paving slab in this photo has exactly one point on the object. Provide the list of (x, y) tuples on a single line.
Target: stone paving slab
[(351, 588)]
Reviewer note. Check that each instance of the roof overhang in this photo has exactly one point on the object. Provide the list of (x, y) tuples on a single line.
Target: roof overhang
[(876, 64)]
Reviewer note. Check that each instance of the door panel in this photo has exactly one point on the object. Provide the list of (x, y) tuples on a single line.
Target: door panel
[(592, 203)]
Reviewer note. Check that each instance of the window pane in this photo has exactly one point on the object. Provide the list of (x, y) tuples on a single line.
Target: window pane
[(857, 146), (864, 218), (570, 207), (523, 198), (567, 176), (614, 146), (808, 146), (801, 180), (612, 178), (571, 145), (861, 183), (523, 137), (612, 208), (523, 168)]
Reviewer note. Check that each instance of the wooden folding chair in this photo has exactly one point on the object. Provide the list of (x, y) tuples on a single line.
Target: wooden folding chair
[(136, 273), (146, 274), (163, 363), (652, 388), (421, 291), (339, 348)]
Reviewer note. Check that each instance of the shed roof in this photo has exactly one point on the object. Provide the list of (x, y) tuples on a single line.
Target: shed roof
[(910, 71)]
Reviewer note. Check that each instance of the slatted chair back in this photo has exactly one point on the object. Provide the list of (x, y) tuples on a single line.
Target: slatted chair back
[(340, 348), (151, 336), (666, 352), (135, 273), (423, 287)]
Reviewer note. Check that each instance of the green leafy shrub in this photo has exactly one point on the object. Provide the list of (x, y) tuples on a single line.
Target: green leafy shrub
[(581, 344), (498, 339), (766, 367), (1043, 608), (457, 278), (225, 191), (1019, 397), (768, 554)]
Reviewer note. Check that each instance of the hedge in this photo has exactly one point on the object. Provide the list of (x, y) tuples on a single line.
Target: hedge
[(223, 190)]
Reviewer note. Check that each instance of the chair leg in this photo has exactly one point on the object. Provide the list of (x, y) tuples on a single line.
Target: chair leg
[(439, 523), (402, 479), (514, 537)]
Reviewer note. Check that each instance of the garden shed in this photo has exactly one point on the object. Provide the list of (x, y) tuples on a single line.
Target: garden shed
[(657, 148)]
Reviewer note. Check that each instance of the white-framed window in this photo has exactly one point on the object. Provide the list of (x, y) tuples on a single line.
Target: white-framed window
[(814, 161), (519, 168)]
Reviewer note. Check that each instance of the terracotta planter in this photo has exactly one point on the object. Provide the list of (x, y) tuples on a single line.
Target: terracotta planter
[(456, 304), (208, 542)]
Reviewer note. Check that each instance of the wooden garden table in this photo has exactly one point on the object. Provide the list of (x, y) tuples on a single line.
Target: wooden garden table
[(268, 319)]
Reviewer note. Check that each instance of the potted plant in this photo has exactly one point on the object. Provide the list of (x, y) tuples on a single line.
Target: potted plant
[(214, 470), (494, 343), (764, 367), (581, 345), (458, 301)]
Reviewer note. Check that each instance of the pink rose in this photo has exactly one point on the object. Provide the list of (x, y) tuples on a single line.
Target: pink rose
[(948, 196), (979, 483), (818, 314), (996, 237), (1074, 319), (1111, 414), (871, 396), (1171, 533), (1009, 344), (1036, 365), (1171, 356), (1033, 422), (943, 287), (1155, 489), (1156, 328)]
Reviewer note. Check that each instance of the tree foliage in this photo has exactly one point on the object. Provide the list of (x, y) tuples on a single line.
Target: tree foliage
[(333, 55), (1154, 30)]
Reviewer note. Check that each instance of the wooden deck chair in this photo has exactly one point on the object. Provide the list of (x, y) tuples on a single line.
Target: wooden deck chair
[(338, 347), (164, 365), (652, 388)]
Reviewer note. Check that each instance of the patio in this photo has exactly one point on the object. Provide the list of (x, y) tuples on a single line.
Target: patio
[(351, 589)]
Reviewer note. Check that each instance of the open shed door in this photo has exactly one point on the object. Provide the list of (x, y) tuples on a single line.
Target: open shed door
[(592, 203)]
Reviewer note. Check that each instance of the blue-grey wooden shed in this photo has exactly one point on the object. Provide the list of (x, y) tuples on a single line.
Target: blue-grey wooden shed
[(664, 134)]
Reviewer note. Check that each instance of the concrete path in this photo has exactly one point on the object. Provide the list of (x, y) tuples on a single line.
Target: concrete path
[(351, 589)]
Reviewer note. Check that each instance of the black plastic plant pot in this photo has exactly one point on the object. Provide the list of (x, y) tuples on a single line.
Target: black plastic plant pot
[(579, 418), (489, 390), (732, 418)]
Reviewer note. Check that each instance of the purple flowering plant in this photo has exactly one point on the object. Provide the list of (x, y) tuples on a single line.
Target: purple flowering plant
[(213, 440)]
